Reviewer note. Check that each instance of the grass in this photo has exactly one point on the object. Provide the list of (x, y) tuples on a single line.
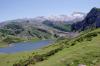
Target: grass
[(86, 52), (9, 59), (3, 44)]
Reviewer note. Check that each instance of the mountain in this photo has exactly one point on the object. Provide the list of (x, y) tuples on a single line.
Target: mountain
[(41, 26), (92, 20), (74, 17)]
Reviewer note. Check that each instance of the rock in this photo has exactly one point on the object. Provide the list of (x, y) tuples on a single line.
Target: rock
[(92, 20)]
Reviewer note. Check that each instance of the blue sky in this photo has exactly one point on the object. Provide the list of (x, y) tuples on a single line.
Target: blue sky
[(14, 9)]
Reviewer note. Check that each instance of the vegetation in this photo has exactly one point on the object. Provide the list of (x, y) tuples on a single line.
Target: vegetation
[(9, 59)]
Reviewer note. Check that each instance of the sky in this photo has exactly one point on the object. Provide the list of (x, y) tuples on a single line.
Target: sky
[(15, 9)]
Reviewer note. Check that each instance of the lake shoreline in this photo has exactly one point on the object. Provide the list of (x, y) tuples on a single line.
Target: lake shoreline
[(25, 46)]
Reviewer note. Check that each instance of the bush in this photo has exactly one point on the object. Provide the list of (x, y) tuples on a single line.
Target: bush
[(80, 39), (73, 44), (91, 34), (89, 39)]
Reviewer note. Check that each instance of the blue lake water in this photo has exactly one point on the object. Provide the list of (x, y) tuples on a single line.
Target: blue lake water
[(25, 46)]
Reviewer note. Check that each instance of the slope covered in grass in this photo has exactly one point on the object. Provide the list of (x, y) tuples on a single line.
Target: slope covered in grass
[(85, 52), (9, 59)]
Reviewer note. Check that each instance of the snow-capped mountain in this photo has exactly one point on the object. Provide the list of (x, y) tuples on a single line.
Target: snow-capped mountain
[(74, 17)]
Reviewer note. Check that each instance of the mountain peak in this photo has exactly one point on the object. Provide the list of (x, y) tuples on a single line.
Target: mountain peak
[(95, 10)]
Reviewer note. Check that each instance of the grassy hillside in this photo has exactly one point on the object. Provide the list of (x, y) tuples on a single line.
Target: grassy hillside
[(84, 49), (9, 59), (86, 52)]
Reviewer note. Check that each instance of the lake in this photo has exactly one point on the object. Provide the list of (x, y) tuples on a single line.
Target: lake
[(25, 46)]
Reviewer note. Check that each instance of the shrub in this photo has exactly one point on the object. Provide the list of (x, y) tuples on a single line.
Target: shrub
[(80, 39), (73, 44), (91, 34), (89, 39)]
